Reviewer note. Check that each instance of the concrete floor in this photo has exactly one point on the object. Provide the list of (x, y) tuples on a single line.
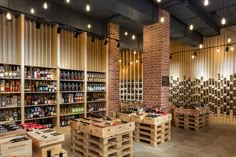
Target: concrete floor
[(213, 141)]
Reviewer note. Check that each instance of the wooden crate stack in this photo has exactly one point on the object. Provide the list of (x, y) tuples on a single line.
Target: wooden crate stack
[(191, 119), (90, 140), (150, 130)]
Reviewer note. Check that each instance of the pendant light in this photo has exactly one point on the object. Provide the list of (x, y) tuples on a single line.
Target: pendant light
[(8, 15), (45, 5), (191, 25), (206, 2), (88, 8), (223, 20), (32, 11)]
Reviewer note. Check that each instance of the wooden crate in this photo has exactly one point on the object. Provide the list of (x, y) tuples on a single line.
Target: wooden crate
[(7, 147), (157, 120), (20, 153), (126, 117), (137, 118), (13, 133)]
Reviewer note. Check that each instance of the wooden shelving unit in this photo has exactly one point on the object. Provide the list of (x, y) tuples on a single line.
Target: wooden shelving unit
[(131, 74), (44, 48)]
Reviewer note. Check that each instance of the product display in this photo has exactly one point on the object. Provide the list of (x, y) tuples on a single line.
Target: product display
[(10, 115), (96, 87), (72, 75), (96, 77)]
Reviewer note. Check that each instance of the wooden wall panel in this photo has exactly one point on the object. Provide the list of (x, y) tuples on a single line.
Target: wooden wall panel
[(208, 62), (8, 40)]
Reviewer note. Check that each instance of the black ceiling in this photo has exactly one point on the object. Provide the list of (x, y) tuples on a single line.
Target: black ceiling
[(133, 14)]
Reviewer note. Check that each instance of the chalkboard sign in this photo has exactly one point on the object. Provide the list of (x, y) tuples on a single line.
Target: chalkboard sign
[(165, 80)]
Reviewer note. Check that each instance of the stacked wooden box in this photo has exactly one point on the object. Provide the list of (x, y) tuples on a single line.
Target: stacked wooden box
[(15, 143), (45, 140), (191, 119), (219, 94), (150, 130), (92, 138)]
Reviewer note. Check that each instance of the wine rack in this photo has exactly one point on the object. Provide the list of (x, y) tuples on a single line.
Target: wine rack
[(10, 93), (131, 91), (219, 94), (96, 93), (40, 95), (72, 102)]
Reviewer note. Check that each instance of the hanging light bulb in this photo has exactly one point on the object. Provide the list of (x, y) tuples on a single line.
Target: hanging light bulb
[(133, 37), (135, 52), (8, 16), (217, 50), (232, 48), (67, 1), (89, 26), (229, 40), (136, 61), (126, 33), (162, 19), (159, 1), (191, 27), (200, 46), (131, 62), (45, 5), (206, 2), (32, 10), (88, 8), (223, 21), (120, 61), (193, 56)]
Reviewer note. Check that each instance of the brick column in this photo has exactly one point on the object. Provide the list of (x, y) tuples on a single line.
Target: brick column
[(113, 31), (156, 48)]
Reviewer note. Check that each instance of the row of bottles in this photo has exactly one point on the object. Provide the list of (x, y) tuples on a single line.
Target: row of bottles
[(49, 99), (72, 98), (71, 75), (39, 73), (64, 121), (10, 115), (40, 86), (95, 96), (9, 100), (96, 76), (9, 85), (9, 71), (48, 123), (95, 87), (39, 112), (96, 107), (71, 86), (72, 109)]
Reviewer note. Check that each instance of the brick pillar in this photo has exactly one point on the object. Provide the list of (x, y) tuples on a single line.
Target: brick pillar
[(113, 31), (156, 48)]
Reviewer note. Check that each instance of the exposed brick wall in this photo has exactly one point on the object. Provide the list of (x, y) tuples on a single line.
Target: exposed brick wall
[(113, 68), (156, 47)]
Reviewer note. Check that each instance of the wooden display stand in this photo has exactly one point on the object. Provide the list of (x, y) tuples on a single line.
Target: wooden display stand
[(222, 118), (191, 119), (91, 140)]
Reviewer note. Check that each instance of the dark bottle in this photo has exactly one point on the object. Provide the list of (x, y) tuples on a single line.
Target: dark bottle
[(49, 153)]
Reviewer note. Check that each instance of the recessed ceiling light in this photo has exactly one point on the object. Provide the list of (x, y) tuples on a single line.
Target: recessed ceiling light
[(45, 5), (8, 16)]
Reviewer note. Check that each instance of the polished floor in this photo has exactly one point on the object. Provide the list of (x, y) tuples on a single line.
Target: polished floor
[(213, 141)]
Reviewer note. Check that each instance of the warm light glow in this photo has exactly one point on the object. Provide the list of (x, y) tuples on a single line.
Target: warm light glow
[(89, 26), (133, 37), (136, 61), (229, 40), (135, 52), (131, 62), (45, 5), (193, 56), (162, 19), (191, 27), (67, 1), (200, 46), (206, 2), (217, 50), (159, 1), (126, 33), (223, 21), (88, 8), (120, 61), (32, 11), (232, 48), (9, 17)]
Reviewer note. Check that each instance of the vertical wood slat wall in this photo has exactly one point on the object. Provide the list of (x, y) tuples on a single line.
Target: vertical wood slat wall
[(8, 40), (131, 72), (96, 56), (208, 62)]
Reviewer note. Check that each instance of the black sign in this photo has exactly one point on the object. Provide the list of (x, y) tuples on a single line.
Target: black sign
[(165, 80)]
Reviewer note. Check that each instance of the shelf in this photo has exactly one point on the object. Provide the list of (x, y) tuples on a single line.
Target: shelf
[(72, 91), (71, 114), (96, 91), (96, 81), (9, 93), (72, 80), (40, 92), (9, 78), (96, 101), (40, 105), (35, 66), (96, 72), (72, 103), (95, 111), (3, 122), (9, 107), (32, 79), (40, 118)]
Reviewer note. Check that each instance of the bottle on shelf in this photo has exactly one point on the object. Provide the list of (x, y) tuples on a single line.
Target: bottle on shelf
[(40, 112), (10, 115)]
